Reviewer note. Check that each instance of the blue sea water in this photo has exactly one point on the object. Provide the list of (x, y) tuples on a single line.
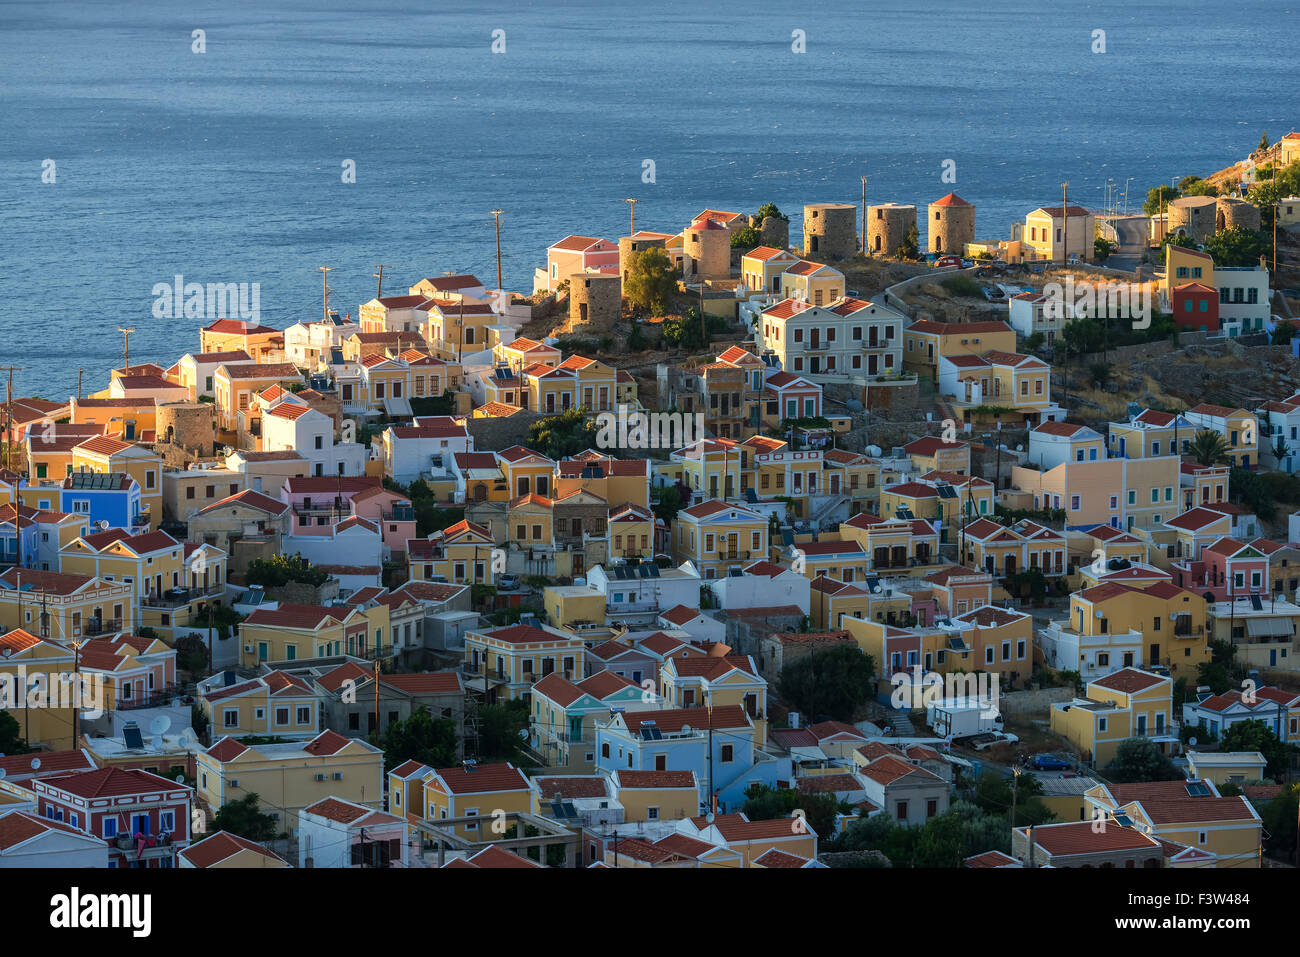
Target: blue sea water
[(226, 166)]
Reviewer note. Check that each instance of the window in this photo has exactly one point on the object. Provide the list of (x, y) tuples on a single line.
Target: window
[(110, 823), (281, 715), (901, 810), (304, 714), (728, 753), (652, 813), (230, 718), (1101, 724)]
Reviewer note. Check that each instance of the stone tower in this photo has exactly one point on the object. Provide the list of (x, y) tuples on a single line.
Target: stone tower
[(887, 226), (1193, 216), (1235, 212), (595, 300), (951, 225), (707, 248), (187, 426), (830, 230), (629, 246)]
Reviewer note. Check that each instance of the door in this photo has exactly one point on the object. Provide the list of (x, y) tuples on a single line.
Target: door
[(733, 544), (1155, 655)]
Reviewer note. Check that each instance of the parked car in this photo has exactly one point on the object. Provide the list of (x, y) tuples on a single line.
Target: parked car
[(944, 262), (507, 582), (1048, 762), (967, 263)]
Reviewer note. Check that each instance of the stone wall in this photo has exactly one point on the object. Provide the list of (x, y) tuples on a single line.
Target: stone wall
[(1033, 702)]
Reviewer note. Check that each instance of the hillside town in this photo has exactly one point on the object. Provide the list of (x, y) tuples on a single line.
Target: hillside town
[(870, 543)]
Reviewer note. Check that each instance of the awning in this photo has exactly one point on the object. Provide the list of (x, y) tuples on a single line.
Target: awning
[(1268, 627)]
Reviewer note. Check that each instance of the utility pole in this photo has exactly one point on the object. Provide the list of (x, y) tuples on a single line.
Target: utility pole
[(631, 208), (380, 276), (1065, 223), (325, 292), (864, 217), (1015, 787), (377, 729), (126, 333), (9, 420), (79, 384), (496, 214)]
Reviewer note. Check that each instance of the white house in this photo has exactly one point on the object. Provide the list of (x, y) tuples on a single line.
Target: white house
[(631, 594), (294, 427), (1281, 423), (699, 625), (27, 840), (761, 585), (1033, 312), (307, 344), (353, 543), (1056, 443), (426, 446), (337, 833), (196, 369), (1244, 302)]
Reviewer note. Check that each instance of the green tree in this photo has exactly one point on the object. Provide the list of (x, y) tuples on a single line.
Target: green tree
[(769, 209), (279, 570), (1238, 246), (1195, 186), (244, 818), (563, 435), (1102, 248), (651, 281), (1279, 819), (1034, 342), (1100, 372), (1216, 673), (499, 727), (1158, 197), (747, 237), (1263, 142), (1139, 759), (192, 653), (993, 795), (421, 737), (763, 803), (834, 682), (1208, 447), (11, 739), (668, 502), (1257, 736), (911, 244), (1269, 191)]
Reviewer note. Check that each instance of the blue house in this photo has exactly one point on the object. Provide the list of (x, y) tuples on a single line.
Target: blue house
[(111, 497)]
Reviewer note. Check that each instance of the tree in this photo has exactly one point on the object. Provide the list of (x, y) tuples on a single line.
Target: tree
[(1238, 246), (1280, 449), (834, 682), (1158, 197), (1100, 372), (279, 570), (421, 738), (747, 237), (763, 803), (910, 245), (563, 435), (1195, 186), (1263, 142), (1139, 759), (1279, 818), (192, 653), (1215, 673), (651, 281), (1257, 736), (1102, 248), (769, 209), (668, 502), (1208, 448), (1283, 333), (11, 739), (1269, 191), (993, 795), (1034, 342), (245, 819), (499, 727)]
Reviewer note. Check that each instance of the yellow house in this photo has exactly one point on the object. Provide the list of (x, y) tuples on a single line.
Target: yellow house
[(1183, 265), (707, 681), (510, 659), (893, 543), (47, 722), (460, 553), (406, 790), (1238, 427), (1233, 767), (64, 606), (932, 454), (714, 535), (522, 352), (127, 419), (152, 563), (925, 342), (224, 850), (632, 532), (859, 477), (276, 704), (475, 790), (753, 838), (291, 775), (983, 384), (455, 328), (532, 522), (618, 481), (761, 269), (812, 282), (294, 631), (721, 467), (1122, 493), (1126, 704), (1226, 830), (656, 795), (595, 384), (833, 600), (527, 471), (103, 454), (1050, 232), (235, 386)]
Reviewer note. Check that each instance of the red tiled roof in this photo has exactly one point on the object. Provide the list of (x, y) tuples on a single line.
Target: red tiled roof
[(628, 778), (112, 781), (484, 779), (952, 199), (217, 847), (1129, 680)]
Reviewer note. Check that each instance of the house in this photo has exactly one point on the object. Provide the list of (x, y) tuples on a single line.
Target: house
[(104, 455), (338, 833), (1121, 492), (1191, 815), (714, 535), (1235, 767), (927, 341), (702, 628), (1034, 314), (276, 704), (1277, 709), (291, 775), (354, 707), (223, 850), (294, 427), (812, 282), (982, 384), (909, 794), (1195, 307), (143, 819), (1150, 433), (412, 452), (717, 682), (1082, 844), (846, 337), (933, 454), (1126, 704), (292, 631), (759, 584), (236, 384), (64, 606), (461, 553), (761, 269), (1238, 427), (508, 660), (475, 790), (753, 838), (579, 254), (564, 714), (259, 342), (151, 562), (1052, 232), (28, 840)]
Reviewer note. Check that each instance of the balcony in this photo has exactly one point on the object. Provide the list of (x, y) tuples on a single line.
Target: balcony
[(102, 626), (154, 699), (177, 597)]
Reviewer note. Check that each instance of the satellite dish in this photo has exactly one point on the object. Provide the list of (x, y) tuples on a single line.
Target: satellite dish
[(187, 737), (686, 729), (179, 779), (102, 524), (36, 764), (3, 773), (523, 733), (160, 724), (1192, 742)]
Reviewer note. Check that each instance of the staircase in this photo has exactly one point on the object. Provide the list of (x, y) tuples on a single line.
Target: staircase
[(900, 721)]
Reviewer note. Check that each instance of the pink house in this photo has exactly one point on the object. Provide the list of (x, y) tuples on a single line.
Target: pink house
[(575, 254), (321, 501), (1227, 569), (392, 512)]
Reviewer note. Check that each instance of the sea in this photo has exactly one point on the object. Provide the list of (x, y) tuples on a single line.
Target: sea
[(214, 141)]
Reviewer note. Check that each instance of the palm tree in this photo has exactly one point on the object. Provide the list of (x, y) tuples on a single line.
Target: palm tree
[(1208, 448), (1281, 450)]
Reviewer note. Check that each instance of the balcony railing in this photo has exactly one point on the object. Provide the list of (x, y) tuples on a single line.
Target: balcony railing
[(159, 696), (106, 626), (177, 597)]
